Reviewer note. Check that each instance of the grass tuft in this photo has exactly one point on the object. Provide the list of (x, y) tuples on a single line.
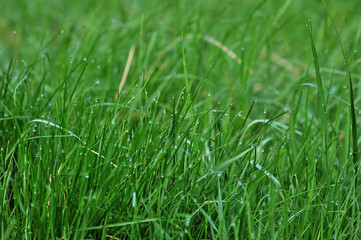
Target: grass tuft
[(179, 120)]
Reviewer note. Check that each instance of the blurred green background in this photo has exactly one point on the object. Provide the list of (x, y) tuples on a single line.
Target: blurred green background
[(269, 36)]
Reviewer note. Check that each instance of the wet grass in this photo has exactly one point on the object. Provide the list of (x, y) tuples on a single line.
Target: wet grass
[(166, 120)]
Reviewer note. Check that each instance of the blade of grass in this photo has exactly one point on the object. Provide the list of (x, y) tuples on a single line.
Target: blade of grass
[(126, 70), (321, 103), (354, 142)]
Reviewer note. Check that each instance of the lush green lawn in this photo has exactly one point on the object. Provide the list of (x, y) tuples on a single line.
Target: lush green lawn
[(179, 119)]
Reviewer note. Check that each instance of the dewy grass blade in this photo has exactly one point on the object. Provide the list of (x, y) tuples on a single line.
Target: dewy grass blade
[(59, 127), (114, 225), (354, 139), (321, 103)]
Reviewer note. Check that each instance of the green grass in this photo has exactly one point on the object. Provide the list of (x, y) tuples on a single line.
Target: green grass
[(179, 119)]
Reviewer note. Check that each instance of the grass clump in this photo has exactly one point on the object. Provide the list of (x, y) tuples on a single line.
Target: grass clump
[(163, 120)]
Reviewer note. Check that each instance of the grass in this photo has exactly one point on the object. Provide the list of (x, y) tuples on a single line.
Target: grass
[(179, 119)]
